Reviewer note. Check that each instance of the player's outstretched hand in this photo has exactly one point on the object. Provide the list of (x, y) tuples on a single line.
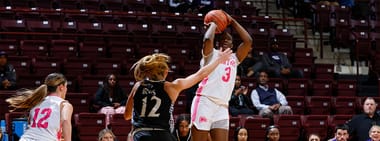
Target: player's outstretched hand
[(224, 55)]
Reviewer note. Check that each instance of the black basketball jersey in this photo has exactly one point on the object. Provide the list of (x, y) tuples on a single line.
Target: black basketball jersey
[(152, 106)]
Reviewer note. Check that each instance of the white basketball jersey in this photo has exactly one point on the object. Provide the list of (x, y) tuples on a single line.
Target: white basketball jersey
[(219, 84), (45, 121)]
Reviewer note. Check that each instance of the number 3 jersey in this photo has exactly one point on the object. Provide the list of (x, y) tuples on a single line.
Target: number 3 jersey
[(45, 121), (218, 85), (152, 106)]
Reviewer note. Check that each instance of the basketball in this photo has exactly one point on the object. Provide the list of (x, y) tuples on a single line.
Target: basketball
[(219, 18)]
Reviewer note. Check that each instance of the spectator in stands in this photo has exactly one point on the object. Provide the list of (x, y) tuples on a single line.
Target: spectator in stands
[(241, 134), (341, 133), (347, 3), (106, 135), (181, 6), (202, 6), (314, 137), (360, 124), (7, 73), (277, 64), (272, 133), (374, 133), (110, 97), (182, 130), (329, 2), (240, 102), (269, 100), (245, 67), (49, 113)]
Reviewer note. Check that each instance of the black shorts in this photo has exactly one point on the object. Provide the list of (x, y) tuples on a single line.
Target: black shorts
[(153, 135)]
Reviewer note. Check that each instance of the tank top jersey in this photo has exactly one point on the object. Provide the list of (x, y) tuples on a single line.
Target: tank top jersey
[(218, 85), (45, 121), (152, 106)]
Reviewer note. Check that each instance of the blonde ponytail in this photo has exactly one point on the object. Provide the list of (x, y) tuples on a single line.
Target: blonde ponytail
[(27, 99)]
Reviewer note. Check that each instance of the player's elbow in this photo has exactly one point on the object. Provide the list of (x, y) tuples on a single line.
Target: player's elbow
[(248, 41), (207, 38)]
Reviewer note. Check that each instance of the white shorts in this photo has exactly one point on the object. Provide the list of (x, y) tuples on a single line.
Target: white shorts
[(205, 114)]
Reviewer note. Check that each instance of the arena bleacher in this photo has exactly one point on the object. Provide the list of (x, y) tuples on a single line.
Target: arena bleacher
[(87, 39)]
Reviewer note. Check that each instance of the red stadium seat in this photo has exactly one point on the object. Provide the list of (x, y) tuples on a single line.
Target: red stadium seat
[(360, 25), (346, 88), (30, 81), (261, 39), (46, 66), (324, 71), (120, 127), (10, 46), (89, 125), (22, 64), (34, 48), (92, 49), (277, 83), (317, 124), (13, 25), (305, 68), (139, 31), (69, 4), (92, 5), (64, 48), (112, 66), (235, 122), (115, 28), (40, 26), (122, 49), (90, 83), (318, 105), (303, 56), (90, 27), (290, 126), (80, 101), (114, 5), (77, 66), (158, 5), (257, 127), (322, 87), (178, 51), (344, 105), (298, 87), (297, 103), (149, 48), (135, 5)]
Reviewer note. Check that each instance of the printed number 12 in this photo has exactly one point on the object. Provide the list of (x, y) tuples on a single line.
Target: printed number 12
[(41, 122)]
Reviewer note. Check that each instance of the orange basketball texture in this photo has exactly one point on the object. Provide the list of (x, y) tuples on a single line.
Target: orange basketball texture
[(219, 18)]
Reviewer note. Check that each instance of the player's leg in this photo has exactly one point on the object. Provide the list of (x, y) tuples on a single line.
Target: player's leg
[(198, 135)]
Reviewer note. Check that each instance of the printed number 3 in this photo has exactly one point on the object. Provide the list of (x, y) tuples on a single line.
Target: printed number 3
[(41, 122), (226, 77)]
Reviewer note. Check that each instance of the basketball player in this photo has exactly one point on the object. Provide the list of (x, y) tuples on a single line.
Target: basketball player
[(152, 97), (50, 114), (209, 110)]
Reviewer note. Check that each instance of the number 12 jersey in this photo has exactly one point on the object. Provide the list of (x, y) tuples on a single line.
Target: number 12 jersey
[(45, 121), (152, 106)]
